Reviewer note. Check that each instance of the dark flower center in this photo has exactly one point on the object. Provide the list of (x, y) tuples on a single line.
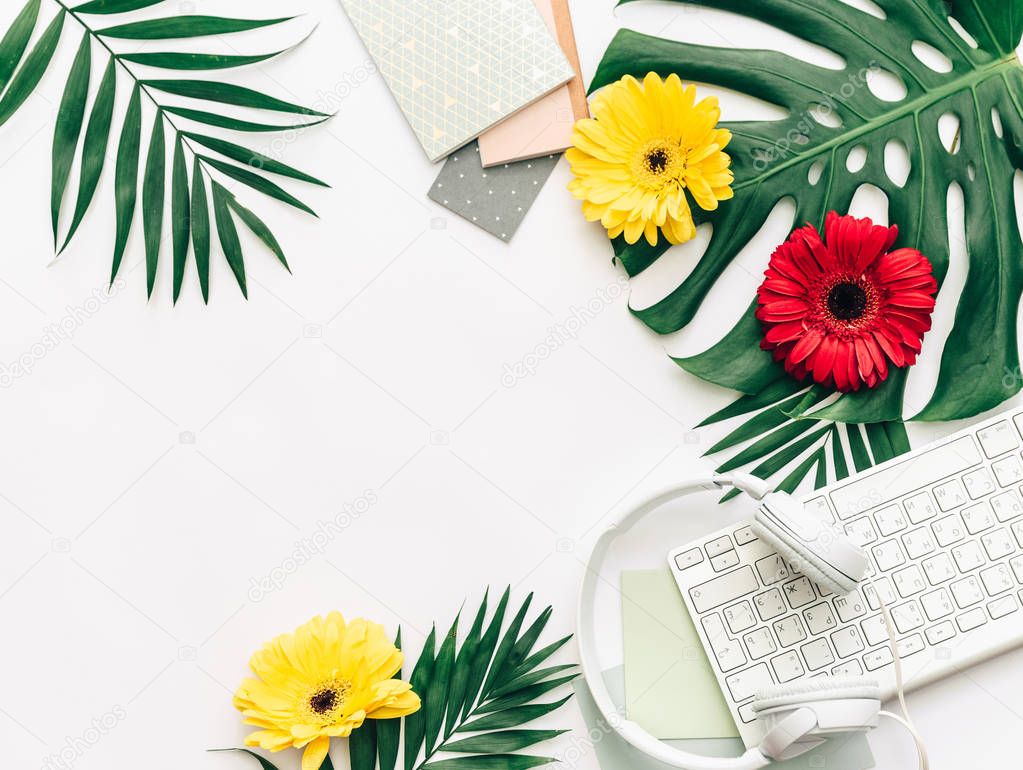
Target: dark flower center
[(657, 161), (323, 701), (847, 301)]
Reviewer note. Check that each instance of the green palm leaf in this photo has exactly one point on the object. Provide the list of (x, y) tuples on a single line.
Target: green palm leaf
[(14, 43), (193, 212), (69, 127)]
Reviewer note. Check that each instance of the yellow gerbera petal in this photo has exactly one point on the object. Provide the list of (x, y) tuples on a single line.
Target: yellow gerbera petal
[(315, 753), (647, 144)]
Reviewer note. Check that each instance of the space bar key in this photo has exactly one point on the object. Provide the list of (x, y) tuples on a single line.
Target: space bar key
[(891, 483)]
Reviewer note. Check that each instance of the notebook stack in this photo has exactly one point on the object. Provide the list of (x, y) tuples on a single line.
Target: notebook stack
[(494, 83)]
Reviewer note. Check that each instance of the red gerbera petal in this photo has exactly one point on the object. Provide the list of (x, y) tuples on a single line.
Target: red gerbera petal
[(845, 308)]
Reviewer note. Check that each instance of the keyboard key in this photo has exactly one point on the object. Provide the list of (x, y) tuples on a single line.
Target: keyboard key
[(850, 606), (727, 653), (760, 643), (979, 483), (968, 556), (787, 667), (907, 617), (905, 477), (950, 494), (997, 579), (799, 593), (820, 508), (724, 589), (744, 684), (882, 587), (978, 518), (890, 520), (861, 531), (1017, 568), (919, 542), (790, 630), (1007, 505), (1002, 606), (909, 581), (718, 546), (690, 558), (998, 543), (770, 604), (772, 569), (724, 561), (819, 618), (847, 641), (972, 619), (744, 536), (939, 568), (739, 617), (874, 630), (997, 439), (888, 555), (746, 713), (967, 591), (875, 659), (817, 654), (937, 604), (911, 645), (949, 529), (940, 633), (1017, 530), (1008, 471), (849, 668), (920, 507)]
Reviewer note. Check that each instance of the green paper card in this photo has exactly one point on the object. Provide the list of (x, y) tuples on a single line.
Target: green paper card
[(670, 689)]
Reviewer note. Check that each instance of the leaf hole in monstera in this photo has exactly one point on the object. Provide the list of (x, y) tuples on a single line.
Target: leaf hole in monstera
[(826, 116), (897, 164), (961, 31), (871, 202), (885, 85), (931, 57), (971, 171), (1017, 193), (923, 375), (949, 126), (867, 6), (856, 159), (996, 121), (815, 173)]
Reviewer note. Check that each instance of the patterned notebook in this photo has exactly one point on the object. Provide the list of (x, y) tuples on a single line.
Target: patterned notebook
[(458, 67)]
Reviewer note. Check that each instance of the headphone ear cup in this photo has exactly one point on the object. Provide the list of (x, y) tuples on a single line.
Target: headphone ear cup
[(796, 554)]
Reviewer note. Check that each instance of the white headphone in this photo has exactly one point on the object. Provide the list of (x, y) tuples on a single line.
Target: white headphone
[(798, 716)]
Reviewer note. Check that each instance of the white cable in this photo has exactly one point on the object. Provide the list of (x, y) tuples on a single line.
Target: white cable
[(900, 685)]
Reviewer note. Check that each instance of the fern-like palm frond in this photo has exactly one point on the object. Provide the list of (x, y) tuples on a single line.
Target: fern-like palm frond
[(196, 193)]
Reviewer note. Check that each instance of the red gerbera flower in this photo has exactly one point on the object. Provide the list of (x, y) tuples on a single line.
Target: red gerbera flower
[(844, 308)]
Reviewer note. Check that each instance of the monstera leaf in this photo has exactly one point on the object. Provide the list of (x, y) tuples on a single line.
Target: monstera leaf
[(805, 157), (143, 177)]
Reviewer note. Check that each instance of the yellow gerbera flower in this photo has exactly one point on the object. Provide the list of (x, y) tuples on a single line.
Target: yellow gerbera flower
[(646, 144), (322, 682)]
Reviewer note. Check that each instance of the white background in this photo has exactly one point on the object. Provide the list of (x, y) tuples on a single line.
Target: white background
[(159, 462)]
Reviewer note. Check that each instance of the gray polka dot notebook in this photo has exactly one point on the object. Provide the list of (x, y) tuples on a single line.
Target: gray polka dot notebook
[(495, 199)]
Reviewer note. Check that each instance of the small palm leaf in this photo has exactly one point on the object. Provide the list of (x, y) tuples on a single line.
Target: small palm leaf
[(193, 211)]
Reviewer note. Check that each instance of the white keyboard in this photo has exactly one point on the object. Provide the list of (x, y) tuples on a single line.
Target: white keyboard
[(943, 527)]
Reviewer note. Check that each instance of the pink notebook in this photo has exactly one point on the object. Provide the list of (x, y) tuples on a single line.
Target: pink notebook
[(544, 127)]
